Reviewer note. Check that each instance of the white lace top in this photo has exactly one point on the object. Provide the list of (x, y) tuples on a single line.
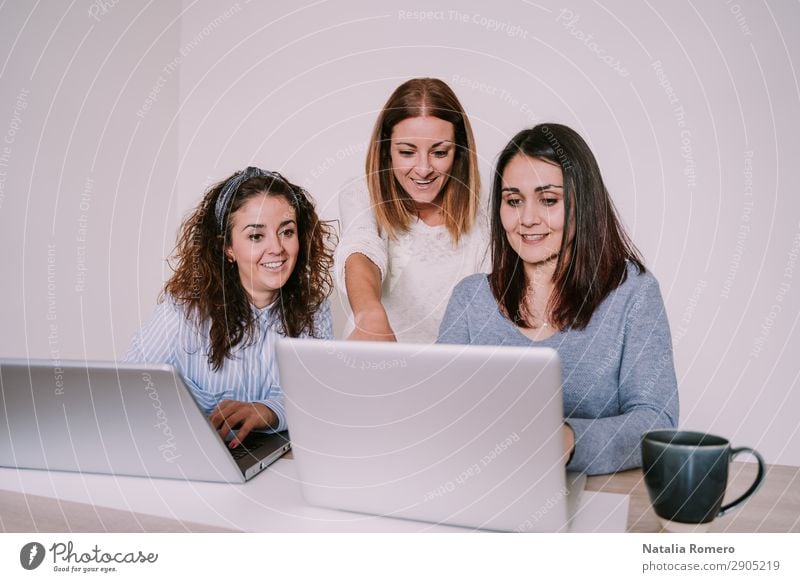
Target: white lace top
[(419, 269)]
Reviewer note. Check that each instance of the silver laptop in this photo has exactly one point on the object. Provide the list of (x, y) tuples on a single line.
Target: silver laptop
[(120, 419), (462, 435)]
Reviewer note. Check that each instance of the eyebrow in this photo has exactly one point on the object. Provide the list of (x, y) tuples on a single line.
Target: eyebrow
[(543, 188), (281, 225), (436, 145)]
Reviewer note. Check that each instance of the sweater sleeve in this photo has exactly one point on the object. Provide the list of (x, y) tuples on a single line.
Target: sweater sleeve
[(359, 232), (647, 391)]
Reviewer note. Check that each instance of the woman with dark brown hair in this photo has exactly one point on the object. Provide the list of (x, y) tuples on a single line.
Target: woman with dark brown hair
[(566, 276), (412, 228), (252, 263)]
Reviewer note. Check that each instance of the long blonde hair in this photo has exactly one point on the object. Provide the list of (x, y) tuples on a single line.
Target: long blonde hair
[(394, 208)]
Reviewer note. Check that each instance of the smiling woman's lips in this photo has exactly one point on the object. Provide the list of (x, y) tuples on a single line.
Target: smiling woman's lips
[(533, 238), (424, 184), (274, 264)]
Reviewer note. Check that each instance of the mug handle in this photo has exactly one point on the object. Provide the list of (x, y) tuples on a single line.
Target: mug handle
[(753, 488)]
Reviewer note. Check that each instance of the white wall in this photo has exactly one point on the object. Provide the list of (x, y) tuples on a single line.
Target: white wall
[(81, 173), (691, 109)]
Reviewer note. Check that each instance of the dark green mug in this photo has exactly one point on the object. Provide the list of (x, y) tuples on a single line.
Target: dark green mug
[(686, 474)]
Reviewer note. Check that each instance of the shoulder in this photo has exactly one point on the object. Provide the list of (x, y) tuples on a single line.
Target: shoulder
[(170, 303), (639, 290), (479, 231), (482, 222), (472, 285), (474, 281), (170, 309), (178, 315), (638, 282)]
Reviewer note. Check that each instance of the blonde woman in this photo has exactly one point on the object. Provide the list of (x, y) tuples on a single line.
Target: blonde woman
[(413, 227)]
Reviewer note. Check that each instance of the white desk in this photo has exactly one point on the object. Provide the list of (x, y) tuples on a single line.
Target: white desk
[(271, 502)]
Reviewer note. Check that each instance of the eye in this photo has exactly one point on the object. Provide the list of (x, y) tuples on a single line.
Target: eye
[(441, 153), (549, 201), (514, 202), (406, 153), (255, 237), (287, 233)]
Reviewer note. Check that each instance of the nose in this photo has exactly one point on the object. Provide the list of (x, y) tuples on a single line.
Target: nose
[(530, 214), (274, 245), (423, 166)]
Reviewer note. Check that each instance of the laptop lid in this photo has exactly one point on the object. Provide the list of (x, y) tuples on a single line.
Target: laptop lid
[(121, 419), (464, 435)]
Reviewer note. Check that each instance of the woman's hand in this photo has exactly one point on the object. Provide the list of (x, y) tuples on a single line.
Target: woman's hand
[(569, 443), (241, 416), (372, 325)]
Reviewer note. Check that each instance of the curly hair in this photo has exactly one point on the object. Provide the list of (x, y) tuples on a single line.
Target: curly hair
[(592, 263), (209, 286)]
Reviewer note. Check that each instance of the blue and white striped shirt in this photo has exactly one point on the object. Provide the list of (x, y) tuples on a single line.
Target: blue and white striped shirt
[(249, 375)]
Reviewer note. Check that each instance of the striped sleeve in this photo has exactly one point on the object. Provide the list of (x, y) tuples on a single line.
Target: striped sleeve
[(155, 342), (270, 394)]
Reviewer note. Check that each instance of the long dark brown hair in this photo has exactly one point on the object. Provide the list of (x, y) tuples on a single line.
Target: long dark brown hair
[(209, 287), (394, 208), (590, 264)]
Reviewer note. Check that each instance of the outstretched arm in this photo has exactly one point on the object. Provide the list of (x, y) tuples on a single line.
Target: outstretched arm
[(363, 284), (360, 263)]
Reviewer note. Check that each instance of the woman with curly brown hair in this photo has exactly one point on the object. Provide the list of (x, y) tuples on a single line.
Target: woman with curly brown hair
[(252, 263)]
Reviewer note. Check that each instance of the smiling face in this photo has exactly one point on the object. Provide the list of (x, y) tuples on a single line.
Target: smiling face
[(423, 150), (532, 208), (264, 245)]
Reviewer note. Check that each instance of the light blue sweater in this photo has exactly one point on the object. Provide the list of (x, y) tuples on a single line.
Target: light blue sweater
[(618, 373)]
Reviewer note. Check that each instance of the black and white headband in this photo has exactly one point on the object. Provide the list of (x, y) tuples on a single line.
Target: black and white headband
[(232, 186)]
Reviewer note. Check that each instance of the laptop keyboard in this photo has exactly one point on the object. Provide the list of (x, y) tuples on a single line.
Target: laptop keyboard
[(246, 449)]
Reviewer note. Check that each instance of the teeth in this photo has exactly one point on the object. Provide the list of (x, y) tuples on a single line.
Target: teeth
[(274, 265), (533, 236), (423, 182)]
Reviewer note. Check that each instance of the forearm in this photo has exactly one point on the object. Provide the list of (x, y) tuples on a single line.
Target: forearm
[(610, 444), (363, 283)]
